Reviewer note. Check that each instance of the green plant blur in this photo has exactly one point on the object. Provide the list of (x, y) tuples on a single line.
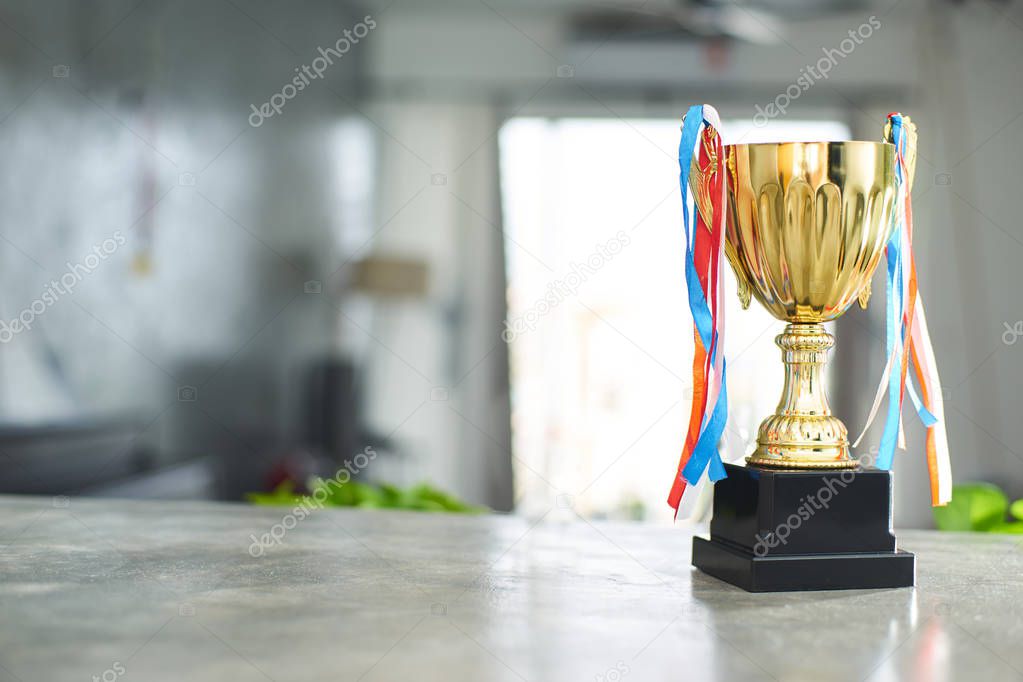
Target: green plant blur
[(422, 497), (980, 507)]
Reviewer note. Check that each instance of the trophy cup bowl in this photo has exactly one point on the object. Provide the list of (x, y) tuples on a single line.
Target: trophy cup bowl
[(807, 226)]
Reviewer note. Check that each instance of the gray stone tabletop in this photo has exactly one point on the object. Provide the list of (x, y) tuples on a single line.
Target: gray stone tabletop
[(127, 590)]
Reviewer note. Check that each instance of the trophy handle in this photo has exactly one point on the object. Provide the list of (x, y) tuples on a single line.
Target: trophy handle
[(910, 158), (910, 153), (744, 288), (700, 178), (864, 297), (700, 183)]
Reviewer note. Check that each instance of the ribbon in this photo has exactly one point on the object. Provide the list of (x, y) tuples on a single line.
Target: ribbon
[(907, 338), (704, 206)]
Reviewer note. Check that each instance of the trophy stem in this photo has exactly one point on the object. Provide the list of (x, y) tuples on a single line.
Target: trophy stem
[(803, 434)]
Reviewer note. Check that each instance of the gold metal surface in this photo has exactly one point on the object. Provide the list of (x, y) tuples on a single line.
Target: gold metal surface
[(803, 434), (807, 226)]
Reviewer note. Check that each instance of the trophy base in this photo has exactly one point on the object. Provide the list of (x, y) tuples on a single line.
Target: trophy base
[(779, 531)]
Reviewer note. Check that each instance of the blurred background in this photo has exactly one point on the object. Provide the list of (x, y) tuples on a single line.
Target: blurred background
[(243, 241)]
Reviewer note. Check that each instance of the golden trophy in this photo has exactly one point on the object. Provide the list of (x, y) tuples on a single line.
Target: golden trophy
[(807, 226)]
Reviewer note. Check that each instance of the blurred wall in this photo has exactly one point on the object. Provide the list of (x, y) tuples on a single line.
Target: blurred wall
[(134, 122), (130, 121)]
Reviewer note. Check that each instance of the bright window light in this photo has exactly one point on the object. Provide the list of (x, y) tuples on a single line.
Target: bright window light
[(599, 327)]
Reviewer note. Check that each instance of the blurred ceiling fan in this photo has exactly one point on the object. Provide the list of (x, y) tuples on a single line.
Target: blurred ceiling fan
[(760, 23)]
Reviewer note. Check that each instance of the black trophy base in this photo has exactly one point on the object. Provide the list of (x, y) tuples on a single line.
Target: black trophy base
[(783, 531), (806, 572)]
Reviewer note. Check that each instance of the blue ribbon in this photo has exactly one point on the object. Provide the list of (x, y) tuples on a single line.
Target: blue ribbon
[(889, 437), (705, 451)]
